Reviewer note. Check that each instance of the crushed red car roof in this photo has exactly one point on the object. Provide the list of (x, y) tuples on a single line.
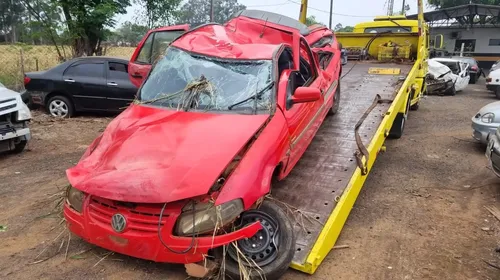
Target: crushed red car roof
[(240, 38)]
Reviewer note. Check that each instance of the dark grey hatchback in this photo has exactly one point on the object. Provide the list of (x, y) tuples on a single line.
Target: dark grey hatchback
[(93, 83)]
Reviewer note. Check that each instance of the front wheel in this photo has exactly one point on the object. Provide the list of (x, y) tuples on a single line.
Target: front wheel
[(266, 255), (19, 147), (497, 92)]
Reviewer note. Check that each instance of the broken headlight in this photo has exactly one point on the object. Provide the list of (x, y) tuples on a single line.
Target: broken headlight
[(488, 118), (206, 217), (75, 198)]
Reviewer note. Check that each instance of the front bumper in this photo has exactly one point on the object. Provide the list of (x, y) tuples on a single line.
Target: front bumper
[(491, 87), (482, 131), (493, 154), (140, 237)]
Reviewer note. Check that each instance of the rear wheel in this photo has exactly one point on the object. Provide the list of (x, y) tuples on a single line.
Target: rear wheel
[(399, 123), (60, 106), (266, 255), (473, 79)]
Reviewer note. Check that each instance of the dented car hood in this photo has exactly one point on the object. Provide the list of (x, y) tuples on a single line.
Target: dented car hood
[(155, 155)]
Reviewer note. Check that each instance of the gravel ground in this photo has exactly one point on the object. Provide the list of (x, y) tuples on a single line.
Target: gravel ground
[(420, 214)]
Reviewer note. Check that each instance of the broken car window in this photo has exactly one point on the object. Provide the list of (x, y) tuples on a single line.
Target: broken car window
[(187, 81)]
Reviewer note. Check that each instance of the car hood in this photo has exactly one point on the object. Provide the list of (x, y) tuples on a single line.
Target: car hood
[(493, 107), (154, 155)]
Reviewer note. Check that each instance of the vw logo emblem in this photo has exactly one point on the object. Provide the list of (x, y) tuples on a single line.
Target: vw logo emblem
[(118, 222)]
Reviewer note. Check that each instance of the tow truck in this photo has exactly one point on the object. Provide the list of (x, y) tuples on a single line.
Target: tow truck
[(382, 82)]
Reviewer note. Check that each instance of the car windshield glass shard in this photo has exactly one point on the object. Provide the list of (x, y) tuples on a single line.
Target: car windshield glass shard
[(187, 81)]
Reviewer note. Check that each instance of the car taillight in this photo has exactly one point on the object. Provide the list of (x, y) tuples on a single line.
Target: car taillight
[(26, 80), (488, 80), (474, 68)]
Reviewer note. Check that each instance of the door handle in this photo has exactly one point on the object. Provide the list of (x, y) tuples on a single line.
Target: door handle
[(112, 84), (69, 80)]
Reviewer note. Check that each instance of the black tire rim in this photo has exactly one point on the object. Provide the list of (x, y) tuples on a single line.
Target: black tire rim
[(262, 248)]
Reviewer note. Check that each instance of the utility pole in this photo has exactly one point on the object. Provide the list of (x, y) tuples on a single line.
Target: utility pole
[(211, 10), (331, 14), (403, 10), (390, 7)]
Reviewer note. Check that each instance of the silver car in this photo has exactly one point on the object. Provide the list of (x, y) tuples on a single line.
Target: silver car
[(493, 152), (486, 121)]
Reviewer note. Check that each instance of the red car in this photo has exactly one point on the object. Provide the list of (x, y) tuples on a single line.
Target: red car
[(184, 172)]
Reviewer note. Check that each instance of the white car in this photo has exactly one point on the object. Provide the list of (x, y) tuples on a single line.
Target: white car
[(493, 82), (14, 120), (455, 70)]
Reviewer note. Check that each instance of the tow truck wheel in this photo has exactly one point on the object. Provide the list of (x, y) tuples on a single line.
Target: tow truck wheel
[(266, 255), (336, 101), (398, 125)]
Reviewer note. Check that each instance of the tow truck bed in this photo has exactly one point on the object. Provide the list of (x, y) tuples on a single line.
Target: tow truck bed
[(324, 184)]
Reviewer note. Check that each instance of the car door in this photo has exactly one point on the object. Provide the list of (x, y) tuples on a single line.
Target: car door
[(463, 77), (149, 49), (303, 119), (121, 91), (86, 82)]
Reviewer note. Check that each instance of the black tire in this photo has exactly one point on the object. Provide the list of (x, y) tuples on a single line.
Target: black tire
[(19, 147), (64, 100), (497, 92), (452, 91), (283, 257), (473, 79), (415, 106), (336, 102), (398, 126)]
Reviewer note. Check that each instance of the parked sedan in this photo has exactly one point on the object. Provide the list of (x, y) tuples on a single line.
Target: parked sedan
[(82, 84), (474, 70), (485, 122)]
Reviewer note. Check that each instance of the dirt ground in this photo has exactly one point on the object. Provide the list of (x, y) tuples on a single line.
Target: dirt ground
[(420, 214)]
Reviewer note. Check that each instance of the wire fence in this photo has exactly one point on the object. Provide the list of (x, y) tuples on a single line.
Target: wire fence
[(15, 60)]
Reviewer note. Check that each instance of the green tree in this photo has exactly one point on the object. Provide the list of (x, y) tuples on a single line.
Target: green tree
[(129, 33), (45, 23), (196, 12), (159, 12), (311, 20), (340, 28), (87, 20), (11, 14)]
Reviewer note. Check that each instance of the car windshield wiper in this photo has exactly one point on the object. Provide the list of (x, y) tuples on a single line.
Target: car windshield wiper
[(255, 96)]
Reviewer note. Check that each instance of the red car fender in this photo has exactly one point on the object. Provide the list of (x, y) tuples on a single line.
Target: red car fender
[(251, 179)]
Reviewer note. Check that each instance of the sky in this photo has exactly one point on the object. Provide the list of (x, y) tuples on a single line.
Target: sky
[(346, 12)]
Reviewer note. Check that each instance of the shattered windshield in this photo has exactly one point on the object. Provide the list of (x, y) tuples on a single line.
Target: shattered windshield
[(187, 81)]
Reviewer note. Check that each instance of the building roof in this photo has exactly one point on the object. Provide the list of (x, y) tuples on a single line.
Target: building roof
[(459, 13)]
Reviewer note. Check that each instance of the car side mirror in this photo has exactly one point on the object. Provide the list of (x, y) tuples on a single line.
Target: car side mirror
[(306, 94)]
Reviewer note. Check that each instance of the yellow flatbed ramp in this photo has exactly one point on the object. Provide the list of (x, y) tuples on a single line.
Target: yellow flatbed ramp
[(326, 181)]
